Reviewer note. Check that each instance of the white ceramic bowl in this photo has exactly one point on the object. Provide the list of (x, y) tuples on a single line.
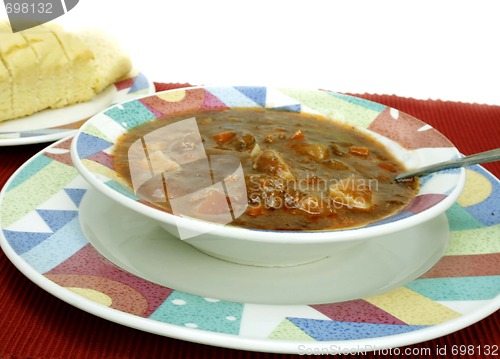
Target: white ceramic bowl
[(412, 141)]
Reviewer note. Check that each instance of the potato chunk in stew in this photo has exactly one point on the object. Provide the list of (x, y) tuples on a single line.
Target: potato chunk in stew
[(352, 192), (273, 163)]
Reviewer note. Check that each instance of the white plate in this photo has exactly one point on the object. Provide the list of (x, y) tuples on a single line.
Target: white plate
[(54, 124), (141, 247), (40, 233)]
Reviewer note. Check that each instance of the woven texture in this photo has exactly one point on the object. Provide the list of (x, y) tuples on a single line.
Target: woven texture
[(53, 329)]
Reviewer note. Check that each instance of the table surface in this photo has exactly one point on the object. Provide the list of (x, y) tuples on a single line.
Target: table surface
[(55, 329)]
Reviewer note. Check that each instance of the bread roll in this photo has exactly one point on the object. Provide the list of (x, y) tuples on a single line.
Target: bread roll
[(21, 64), (81, 63), (6, 91), (111, 61), (48, 67), (54, 77)]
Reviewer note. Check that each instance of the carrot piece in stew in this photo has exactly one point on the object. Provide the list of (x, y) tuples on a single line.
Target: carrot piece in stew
[(224, 136), (359, 151)]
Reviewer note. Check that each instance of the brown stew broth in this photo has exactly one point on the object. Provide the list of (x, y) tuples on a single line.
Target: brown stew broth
[(302, 171)]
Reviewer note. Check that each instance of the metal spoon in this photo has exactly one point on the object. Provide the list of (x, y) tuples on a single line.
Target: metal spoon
[(483, 157)]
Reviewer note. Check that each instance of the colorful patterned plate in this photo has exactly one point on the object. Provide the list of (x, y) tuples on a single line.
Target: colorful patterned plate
[(140, 246), (41, 234), (51, 125)]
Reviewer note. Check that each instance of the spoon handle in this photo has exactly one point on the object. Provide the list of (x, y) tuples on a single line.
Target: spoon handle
[(483, 157)]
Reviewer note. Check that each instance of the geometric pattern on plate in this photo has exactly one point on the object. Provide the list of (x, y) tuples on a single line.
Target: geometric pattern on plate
[(52, 210)]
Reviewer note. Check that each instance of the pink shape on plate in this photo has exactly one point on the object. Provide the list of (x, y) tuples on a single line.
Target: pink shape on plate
[(102, 158), (213, 103), (192, 101), (87, 261), (123, 297), (60, 157), (408, 131), (423, 202), (357, 311), (124, 84)]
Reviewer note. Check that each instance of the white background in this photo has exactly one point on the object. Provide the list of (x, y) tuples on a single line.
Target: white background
[(437, 49)]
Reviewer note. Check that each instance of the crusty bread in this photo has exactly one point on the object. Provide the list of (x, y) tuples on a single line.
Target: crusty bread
[(48, 67), (81, 60), (6, 93), (111, 61), (53, 68), (20, 62)]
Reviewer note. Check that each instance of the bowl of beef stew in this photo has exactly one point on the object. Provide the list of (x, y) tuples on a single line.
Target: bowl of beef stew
[(267, 176)]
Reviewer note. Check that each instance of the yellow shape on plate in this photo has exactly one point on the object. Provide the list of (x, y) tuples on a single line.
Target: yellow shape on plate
[(175, 96), (412, 307), (102, 170), (93, 295), (477, 189), (27, 196), (289, 331), (475, 241)]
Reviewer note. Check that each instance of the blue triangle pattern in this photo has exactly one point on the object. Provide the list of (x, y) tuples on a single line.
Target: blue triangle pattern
[(22, 242), (89, 145), (56, 219), (140, 83), (324, 330), (76, 194), (256, 94), (377, 107)]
